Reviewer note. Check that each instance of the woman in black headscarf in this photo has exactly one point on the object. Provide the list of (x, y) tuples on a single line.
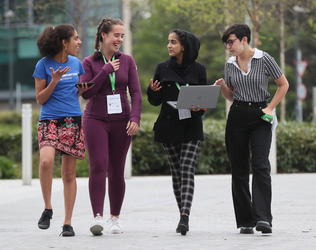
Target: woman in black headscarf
[(180, 131)]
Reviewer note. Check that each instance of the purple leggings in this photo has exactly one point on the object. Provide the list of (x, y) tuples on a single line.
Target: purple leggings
[(107, 144)]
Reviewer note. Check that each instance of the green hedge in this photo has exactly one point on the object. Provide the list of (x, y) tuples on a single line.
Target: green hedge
[(7, 168), (149, 157), (296, 149)]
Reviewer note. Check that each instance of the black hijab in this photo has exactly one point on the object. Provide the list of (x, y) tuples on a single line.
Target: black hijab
[(190, 53)]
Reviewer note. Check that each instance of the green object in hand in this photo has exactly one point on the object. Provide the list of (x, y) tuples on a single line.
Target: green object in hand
[(267, 118)]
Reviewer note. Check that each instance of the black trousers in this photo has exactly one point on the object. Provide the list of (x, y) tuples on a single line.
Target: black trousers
[(245, 132)]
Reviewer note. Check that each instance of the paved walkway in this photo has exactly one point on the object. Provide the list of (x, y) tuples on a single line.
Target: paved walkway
[(150, 216)]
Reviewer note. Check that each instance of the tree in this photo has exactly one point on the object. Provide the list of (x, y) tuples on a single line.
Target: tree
[(208, 19), (210, 16)]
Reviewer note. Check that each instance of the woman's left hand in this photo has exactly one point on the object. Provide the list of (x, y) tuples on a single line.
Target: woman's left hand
[(196, 109), (132, 128)]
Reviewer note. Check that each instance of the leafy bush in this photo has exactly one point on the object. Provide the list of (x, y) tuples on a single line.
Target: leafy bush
[(10, 145), (148, 157), (15, 117), (212, 158), (296, 147), (296, 150), (82, 167), (7, 168), (10, 117)]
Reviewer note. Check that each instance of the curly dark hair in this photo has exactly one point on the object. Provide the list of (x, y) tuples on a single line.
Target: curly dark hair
[(49, 42), (104, 26)]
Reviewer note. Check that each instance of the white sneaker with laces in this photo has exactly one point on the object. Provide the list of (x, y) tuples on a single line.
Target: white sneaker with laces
[(97, 225), (115, 225)]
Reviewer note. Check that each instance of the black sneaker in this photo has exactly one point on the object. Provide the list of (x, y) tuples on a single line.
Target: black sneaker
[(264, 227), (246, 230), (44, 221), (183, 225), (67, 231)]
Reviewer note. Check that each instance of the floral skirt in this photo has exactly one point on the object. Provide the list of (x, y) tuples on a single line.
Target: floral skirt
[(64, 134)]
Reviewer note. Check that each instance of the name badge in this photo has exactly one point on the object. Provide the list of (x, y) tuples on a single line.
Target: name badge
[(114, 104), (184, 114)]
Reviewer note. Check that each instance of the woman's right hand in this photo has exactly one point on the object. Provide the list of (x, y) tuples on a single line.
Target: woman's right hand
[(220, 82), (115, 64), (56, 75), (155, 85)]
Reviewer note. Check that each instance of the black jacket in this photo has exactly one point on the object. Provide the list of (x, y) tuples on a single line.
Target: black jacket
[(168, 128)]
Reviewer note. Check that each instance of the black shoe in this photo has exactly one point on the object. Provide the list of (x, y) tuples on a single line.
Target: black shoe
[(246, 230), (67, 231), (44, 221), (183, 225), (264, 227)]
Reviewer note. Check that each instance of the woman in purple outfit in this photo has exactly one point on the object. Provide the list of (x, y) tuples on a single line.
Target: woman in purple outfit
[(109, 121)]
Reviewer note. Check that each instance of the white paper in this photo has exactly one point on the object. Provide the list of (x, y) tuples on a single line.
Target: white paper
[(184, 114), (114, 104)]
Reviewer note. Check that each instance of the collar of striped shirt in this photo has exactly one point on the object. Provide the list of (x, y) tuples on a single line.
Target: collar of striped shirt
[(258, 54)]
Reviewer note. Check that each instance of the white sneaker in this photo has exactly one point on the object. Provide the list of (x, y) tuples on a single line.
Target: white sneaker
[(115, 225), (97, 225)]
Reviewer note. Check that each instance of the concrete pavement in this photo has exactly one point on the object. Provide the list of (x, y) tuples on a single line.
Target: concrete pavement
[(149, 216)]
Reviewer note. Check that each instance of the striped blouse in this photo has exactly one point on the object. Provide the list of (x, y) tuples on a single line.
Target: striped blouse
[(253, 85)]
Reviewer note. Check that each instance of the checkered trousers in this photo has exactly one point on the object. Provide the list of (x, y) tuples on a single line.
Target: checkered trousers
[(182, 158)]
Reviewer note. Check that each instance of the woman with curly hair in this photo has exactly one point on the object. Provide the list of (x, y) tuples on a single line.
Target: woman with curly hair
[(59, 127)]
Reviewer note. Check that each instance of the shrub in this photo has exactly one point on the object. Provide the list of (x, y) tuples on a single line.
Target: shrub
[(15, 117), (149, 158), (7, 168), (10, 145), (212, 158), (296, 147), (82, 167), (296, 150), (10, 117)]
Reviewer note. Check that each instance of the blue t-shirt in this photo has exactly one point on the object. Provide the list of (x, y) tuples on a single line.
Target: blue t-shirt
[(64, 100)]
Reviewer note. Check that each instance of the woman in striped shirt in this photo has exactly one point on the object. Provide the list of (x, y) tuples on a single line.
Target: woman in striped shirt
[(248, 126)]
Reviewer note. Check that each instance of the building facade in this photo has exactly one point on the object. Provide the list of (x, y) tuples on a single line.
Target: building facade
[(22, 21)]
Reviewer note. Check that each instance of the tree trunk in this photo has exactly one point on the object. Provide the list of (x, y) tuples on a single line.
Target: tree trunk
[(79, 25), (256, 25), (282, 55), (227, 55)]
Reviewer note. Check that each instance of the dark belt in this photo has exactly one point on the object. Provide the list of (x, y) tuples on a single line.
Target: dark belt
[(251, 104)]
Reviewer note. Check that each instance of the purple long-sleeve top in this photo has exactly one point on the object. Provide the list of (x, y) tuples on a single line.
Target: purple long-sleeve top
[(126, 76)]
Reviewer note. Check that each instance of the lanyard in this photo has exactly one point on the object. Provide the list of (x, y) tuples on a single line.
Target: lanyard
[(112, 75), (178, 86)]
